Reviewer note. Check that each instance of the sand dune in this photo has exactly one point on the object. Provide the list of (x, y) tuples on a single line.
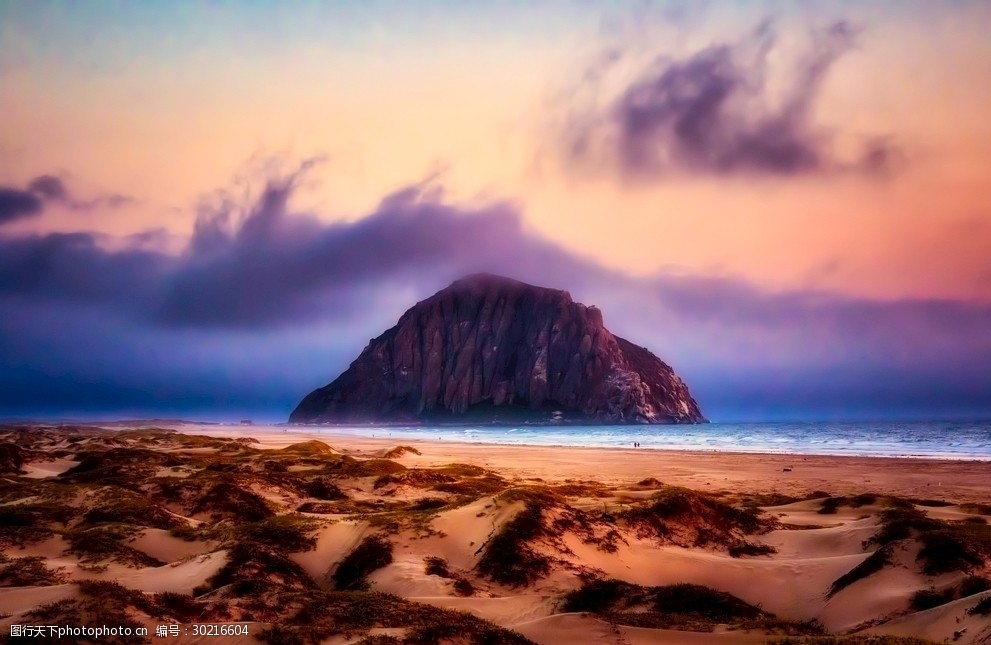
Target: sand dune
[(180, 577), (160, 544), (18, 600), (943, 622), (42, 469), (439, 509), (583, 629), (333, 542)]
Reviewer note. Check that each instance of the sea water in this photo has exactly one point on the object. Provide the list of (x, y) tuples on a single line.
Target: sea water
[(930, 439)]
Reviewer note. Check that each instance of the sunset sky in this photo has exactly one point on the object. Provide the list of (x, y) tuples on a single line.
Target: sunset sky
[(207, 208)]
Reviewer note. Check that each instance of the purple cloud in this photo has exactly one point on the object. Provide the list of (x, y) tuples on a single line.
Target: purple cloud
[(49, 187), (264, 306), (16, 204), (712, 113)]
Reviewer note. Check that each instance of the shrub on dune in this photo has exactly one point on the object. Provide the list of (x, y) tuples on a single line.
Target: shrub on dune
[(508, 558), (374, 552), (685, 607)]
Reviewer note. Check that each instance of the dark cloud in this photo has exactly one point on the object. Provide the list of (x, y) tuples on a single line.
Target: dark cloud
[(16, 204), (262, 266), (53, 189), (75, 267), (109, 200), (720, 111), (265, 304), (49, 187)]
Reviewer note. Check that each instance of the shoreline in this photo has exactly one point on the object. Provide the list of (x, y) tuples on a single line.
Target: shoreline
[(430, 433), (962, 481), (317, 431)]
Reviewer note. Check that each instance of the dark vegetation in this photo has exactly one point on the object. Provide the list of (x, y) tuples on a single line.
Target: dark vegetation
[(462, 470), (463, 481), (831, 504), (107, 603), (24, 490), (29, 572), (464, 587), (320, 615), (692, 519), (29, 522), (851, 640), (435, 566), (509, 557), (428, 504), (946, 546), (253, 568), (982, 608), (768, 499), (673, 515), (417, 478), (932, 503), (932, 597), (874, 563), (473, 487), (312, 448), (227, 499), (750, 549), (977, 509), (374, 552), (12, 458), (682, 606), (323, 488), (972, 585), (107, 543), (346, 466), (954, 548), (121, 467), (122, 506), (353, 507), (399, 451), (583, 489), (181, 606), (289, 533)]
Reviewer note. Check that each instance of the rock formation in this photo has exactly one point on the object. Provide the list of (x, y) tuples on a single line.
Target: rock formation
[(488, 349)]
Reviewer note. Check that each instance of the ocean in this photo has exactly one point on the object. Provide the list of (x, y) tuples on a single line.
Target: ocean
[(920, 439)]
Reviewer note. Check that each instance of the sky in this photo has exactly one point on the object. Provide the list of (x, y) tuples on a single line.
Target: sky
[(207, 208)]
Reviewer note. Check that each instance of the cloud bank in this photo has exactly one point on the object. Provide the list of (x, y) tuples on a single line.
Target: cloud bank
[(263, 306)]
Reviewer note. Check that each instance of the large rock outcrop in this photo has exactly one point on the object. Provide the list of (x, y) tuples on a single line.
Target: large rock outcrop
[(488, 349)]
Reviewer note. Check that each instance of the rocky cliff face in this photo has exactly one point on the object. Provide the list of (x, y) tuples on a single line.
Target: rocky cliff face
[(491, 349)]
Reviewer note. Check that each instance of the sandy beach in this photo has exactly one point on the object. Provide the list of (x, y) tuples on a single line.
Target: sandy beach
[(269, 528), (962, 481)]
